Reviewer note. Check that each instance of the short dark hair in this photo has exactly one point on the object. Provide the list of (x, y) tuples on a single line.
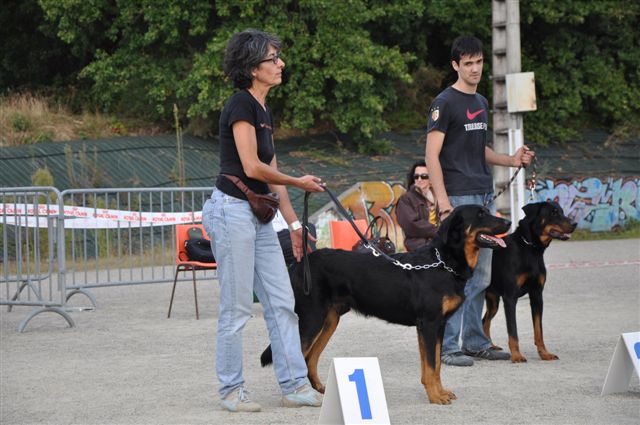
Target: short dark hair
[(465, 45), (245, 50), (412, 171)]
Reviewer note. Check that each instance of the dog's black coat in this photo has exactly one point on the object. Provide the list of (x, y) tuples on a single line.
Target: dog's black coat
[(374, 286), (519, 269)]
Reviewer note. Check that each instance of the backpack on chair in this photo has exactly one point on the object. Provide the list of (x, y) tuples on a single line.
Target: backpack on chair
[(198, 248)]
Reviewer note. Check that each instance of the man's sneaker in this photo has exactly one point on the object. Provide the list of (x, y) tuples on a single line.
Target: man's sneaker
[(456, 359), (303, 396), (489, 354), (238, 401)]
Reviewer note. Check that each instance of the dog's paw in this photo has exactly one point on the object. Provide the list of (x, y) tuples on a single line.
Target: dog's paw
[(518, 358), (449, 394), (440, 399), (548, 356)]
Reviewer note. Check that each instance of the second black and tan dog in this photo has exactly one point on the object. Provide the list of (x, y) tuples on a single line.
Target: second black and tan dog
[(519, 269), (374, 286)]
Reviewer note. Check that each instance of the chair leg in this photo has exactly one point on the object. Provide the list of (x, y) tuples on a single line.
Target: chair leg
[(195, 294), (173, 291)]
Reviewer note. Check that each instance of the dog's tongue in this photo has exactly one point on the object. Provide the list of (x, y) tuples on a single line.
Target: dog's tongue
[(499, 241)]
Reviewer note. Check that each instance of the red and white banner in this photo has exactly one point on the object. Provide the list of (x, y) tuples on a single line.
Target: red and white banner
[(40, 215)]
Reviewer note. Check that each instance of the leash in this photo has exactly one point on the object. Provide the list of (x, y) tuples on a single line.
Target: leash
[(377, 253), (532, 183), (306, 282), (504, 188)]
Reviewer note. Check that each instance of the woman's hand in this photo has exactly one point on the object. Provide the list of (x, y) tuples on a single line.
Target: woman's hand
[(296, 243), (310, 183)]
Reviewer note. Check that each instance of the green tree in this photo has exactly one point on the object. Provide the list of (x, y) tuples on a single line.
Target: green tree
[(355, 66), (585, 55), (586, 58), (150, 54), (31, 56)]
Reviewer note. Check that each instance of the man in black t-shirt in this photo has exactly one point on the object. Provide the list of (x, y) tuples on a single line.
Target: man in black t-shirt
[(458, 160)]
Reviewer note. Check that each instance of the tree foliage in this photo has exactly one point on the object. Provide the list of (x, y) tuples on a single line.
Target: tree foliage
[(357, 66), (151, 54), (586, 59)]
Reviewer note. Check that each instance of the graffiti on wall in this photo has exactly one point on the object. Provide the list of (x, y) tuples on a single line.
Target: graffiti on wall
[(595, 204)]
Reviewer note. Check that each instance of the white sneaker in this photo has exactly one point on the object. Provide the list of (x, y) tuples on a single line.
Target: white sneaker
[(238, 401), (303, 396)]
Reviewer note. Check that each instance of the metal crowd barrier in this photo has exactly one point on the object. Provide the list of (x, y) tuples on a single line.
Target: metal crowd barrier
[(94, 238), (32, 265)]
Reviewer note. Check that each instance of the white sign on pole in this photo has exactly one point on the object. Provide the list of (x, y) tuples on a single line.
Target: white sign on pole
[(626, 357), (354, 393), (521, 92)]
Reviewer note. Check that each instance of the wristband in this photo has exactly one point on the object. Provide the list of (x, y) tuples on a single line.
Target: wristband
[(295, 225)]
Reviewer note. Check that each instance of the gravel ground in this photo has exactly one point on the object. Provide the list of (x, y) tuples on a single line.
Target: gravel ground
[(125, 363)]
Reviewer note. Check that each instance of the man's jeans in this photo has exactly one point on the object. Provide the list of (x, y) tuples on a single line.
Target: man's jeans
[(250, 260), (468, 318)]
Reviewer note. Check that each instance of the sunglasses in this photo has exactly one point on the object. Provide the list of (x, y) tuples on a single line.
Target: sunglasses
[(275, 58), (421, 176)]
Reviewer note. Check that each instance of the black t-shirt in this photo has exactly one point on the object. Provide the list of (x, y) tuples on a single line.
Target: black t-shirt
[(242, 106), (463, 118)]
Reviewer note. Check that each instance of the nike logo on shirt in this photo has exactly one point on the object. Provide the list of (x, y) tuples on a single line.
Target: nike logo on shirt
[(472, 115)]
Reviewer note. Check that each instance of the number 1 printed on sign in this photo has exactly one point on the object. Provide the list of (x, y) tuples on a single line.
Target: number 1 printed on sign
[(363, 396)]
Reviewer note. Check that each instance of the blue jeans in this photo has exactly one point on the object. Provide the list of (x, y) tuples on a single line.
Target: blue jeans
[(468, 319), (250, 260)]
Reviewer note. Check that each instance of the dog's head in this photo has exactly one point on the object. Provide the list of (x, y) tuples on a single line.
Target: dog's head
[(471, 227), (543, 222)]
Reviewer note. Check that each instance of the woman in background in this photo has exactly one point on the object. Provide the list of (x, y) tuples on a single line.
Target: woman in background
[(416, 208)]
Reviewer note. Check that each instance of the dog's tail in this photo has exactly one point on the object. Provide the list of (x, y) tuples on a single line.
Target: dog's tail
[(266, 358)]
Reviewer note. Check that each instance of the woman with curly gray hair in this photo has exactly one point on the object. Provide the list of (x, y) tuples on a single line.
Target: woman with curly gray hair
[(247, 250)]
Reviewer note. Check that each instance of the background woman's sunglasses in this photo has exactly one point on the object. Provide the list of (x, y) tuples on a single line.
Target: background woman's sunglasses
[(421, 176)]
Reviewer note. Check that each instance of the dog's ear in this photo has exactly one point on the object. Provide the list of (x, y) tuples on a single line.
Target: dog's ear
[(449, 230), (528, 222)]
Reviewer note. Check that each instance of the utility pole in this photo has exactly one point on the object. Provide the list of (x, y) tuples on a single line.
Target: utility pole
[(505, 17)]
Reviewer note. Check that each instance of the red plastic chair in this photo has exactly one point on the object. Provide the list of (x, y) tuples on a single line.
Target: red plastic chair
[(342, 234), (183, 263)]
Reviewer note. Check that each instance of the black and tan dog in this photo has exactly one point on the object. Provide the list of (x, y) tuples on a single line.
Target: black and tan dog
[(519, 269), (374, 286)]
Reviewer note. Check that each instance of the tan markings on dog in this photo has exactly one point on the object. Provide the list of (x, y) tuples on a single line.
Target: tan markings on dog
[(545, 237), (450, 303), (471, 250), (492, 309), (423, 359), (542, 278), (430, 378), (443, 390), (521, 279), (516, 355), (320, 342), (539, 339)]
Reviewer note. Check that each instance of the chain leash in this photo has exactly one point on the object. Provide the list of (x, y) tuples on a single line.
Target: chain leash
[(505, 187), (407, 266), (532, 183)]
